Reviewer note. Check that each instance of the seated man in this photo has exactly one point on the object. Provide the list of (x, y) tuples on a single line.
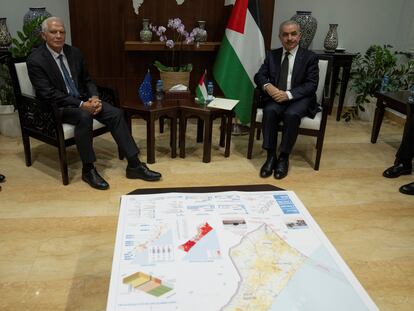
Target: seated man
[(59, 75), (404, 157), (289, 79)]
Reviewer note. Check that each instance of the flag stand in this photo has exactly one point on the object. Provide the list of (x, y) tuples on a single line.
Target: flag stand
[(239, 129)]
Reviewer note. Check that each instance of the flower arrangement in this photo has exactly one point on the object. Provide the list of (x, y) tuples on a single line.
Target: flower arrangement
[(174, 40)]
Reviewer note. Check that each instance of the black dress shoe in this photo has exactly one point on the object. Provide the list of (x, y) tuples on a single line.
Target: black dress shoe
[(267, 168), (95, 180), (397, 170), (2, 178), (282, 168), (142, 172), (407, 189)]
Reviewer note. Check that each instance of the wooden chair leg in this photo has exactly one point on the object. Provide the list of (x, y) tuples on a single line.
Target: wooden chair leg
[(200, 130), (251, 140), (319, 145), (63, 163), (162, 121), (259, 131), (223, 129), (183, 128), (26, 147)]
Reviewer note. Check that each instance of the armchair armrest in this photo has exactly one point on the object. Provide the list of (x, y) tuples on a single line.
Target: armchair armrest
[(36, 116)]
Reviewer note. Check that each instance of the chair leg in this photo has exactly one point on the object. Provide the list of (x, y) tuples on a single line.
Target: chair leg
[(200, 130), (259, 131), (223, 128), (319, 145), (63, 163), (26, 147), (251, 140), (162, 121)]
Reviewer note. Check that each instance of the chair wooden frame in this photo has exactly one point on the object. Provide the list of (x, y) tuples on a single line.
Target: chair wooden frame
[(256, 125), (42, 121)]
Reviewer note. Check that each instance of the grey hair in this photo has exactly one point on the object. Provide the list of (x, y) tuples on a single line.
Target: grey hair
[(50, 19), (288, 22)]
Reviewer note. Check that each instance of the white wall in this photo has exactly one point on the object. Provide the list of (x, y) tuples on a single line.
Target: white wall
[(14, 11), (361, 22)]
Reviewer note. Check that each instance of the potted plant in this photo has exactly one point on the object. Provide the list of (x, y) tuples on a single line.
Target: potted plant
[(22, 46), (8, 115), (27, 39), (174, 36), (368, 71)]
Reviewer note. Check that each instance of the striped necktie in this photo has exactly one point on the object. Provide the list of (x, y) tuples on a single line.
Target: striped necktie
[(73, 91)]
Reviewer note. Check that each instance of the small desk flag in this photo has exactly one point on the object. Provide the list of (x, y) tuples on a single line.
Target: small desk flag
[(201, 90), (145, 90)]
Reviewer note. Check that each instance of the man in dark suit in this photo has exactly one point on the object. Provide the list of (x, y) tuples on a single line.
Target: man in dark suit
[(59, 75), (289, 79), (404, 157)]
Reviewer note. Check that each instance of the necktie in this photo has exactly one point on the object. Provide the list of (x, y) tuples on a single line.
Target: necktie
[(73, 91), (284, 69)]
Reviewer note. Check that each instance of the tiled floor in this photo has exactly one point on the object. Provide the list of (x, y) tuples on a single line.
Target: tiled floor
[(56, 242)]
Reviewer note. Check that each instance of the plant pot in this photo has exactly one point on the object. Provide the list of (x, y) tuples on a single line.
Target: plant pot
[(9, 121), (369, 113), (171, 78)]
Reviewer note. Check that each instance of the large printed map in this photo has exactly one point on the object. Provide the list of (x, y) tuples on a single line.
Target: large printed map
[(227, 251)]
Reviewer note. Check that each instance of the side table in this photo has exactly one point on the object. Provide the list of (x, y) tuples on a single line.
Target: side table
[(165, 108), (394, 100), (339, 60), (190, 109)]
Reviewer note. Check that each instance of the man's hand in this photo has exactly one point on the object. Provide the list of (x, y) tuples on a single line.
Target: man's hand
[(93, 105), (277, 95)]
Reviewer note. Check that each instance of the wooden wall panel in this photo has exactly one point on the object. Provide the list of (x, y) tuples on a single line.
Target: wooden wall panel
[(101, 27)]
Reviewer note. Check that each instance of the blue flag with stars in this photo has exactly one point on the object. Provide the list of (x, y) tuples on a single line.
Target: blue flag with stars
[(145, 90)]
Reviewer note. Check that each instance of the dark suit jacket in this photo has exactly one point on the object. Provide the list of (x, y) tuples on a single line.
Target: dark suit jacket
[(305, 76), (47, 78)]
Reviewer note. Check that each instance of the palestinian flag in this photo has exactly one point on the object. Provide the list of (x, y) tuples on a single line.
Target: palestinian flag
[(201, 90), (241, 54)]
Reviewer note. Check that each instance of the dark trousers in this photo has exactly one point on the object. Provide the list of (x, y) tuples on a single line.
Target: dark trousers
[(405, 153), (290, 113), (112, 117)]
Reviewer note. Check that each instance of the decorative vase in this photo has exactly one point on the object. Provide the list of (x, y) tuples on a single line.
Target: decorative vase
[(34, 13), (331, 39), (171, 78), (145, 34), (5, 37), (201, 35), (308, 25)]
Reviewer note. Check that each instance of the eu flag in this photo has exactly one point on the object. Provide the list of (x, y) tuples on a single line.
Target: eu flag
[(145, 90)]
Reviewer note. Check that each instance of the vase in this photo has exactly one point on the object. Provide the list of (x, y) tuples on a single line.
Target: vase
[(34, 13), (201, 35), (145, 34), (308, 25), (331, 39), (171, 78), (5, 37)]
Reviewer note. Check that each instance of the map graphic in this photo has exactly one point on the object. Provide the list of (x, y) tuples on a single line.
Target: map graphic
[(246, 251), (147, 283)]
